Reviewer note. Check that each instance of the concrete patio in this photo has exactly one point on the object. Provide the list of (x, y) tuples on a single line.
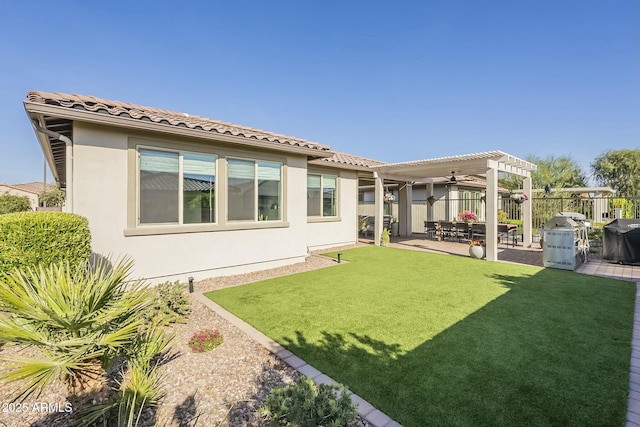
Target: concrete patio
[(516, 254)]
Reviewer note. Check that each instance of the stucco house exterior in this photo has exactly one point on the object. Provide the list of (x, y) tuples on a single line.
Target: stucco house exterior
[(31, 190), (189, 196)]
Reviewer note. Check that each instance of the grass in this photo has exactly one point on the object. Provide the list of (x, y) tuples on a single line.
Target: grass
[(433, 339)]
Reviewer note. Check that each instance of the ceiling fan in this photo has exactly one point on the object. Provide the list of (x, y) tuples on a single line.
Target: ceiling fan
[(453, 180)]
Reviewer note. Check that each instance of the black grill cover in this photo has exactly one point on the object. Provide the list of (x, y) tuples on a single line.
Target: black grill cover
[(621, 241)]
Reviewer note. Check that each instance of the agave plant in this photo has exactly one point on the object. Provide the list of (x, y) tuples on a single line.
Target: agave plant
[(79, 317)]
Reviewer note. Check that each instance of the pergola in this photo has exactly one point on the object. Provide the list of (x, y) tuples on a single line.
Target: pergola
[(488, 163)]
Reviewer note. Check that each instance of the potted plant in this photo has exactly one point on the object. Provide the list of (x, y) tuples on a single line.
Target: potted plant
[(394, 226), (476, 249), (519, 198), (385, 237), (363, 225), (468, 216)]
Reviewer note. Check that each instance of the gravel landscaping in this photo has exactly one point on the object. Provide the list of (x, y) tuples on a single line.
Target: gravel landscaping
[(223, 387)]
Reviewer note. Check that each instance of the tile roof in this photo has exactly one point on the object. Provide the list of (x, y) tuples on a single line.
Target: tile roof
[(349, 160), (172, 118), (29, 187)]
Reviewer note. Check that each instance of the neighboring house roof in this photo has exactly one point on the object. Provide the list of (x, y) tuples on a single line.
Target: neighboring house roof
[(169, 181), (343, 159), (29, 187)]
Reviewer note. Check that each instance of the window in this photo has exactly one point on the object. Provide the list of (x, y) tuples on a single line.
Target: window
[(170, 179), (254, 190), (470, 201), (159, 182), (322, 195), (198, 188)]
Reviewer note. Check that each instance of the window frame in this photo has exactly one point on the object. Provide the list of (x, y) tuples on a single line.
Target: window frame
[(180, 187), (222, 153), (256, 190), (322, 217)]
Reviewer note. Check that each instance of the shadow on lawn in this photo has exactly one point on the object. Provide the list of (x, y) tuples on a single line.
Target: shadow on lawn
[(552, 351)]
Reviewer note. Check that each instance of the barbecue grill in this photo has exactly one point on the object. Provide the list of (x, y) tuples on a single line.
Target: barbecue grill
[(565, 241)]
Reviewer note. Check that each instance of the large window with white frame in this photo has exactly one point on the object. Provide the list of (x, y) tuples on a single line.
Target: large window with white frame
[(176, 187), (254, 190), (322, 195)]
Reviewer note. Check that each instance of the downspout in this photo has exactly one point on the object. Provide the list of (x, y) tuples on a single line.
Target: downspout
[(69, 161)]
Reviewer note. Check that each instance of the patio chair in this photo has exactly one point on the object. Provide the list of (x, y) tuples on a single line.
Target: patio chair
[(462, 231), (431, 229), (507, 232), (478, 231), (371, 225), (448, 230)]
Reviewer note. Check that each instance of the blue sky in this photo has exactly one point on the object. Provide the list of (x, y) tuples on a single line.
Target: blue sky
[(392, 81)]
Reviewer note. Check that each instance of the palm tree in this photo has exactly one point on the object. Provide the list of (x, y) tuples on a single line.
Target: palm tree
[(79, 317)]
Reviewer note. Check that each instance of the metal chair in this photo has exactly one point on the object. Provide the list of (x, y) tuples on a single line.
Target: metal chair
[(462, 231), (448, 230), (508, 233), (431, 229), (478, 231)]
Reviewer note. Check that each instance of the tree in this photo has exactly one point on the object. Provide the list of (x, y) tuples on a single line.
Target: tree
[(82, 319), (620, 170), (10, 203), (52, 197), (557, 172)]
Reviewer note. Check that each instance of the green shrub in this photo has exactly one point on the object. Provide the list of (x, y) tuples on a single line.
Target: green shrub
[(10, 204), (306, 404), (52, 197), (170, 304), (28, 239), (595, 233)]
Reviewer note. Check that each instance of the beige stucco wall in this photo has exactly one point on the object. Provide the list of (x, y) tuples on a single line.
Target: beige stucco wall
[(101, 185), (33, 198), (325, 234)]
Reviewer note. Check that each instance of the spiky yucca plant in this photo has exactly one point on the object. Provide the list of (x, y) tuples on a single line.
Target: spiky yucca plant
[(79, 317), (141, 386)]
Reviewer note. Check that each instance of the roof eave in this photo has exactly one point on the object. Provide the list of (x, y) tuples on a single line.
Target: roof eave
[(43, 140), (337, 165), (36, 108)]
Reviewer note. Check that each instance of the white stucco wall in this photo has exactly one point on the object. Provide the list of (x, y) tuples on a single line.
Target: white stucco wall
[(100, 188)]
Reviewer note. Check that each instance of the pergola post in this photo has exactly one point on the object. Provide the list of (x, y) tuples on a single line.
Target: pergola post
[(492, 215), (379, 207), (405, 199), (527, 235)]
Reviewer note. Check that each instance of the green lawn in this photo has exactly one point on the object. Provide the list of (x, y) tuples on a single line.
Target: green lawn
[(440, 340)]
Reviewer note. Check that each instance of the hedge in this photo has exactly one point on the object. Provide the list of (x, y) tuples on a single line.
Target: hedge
[(31, 238)]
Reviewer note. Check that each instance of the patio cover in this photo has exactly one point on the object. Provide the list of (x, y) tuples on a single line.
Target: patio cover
[(489, 163)]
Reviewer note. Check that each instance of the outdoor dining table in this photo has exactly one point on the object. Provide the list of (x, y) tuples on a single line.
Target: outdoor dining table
[(477, 230)]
